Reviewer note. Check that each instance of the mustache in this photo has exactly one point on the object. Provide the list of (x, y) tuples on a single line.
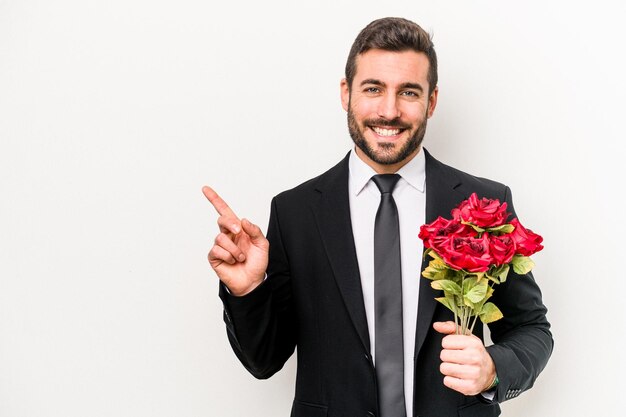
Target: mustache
[(397, 123)]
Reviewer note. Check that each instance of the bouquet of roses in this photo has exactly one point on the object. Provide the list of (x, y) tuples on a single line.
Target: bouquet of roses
[(471, 253)]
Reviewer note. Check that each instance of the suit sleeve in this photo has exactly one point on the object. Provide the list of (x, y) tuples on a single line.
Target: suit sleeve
[(261, 325), (522, 339)]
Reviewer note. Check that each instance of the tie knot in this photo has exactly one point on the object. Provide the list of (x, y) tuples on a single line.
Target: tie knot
[(386, 182)]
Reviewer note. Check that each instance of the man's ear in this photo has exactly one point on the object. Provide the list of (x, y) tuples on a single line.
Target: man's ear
[(345, 94), (432, 102)]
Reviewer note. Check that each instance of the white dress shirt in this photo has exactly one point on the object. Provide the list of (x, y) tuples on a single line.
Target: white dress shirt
[(410, 198)]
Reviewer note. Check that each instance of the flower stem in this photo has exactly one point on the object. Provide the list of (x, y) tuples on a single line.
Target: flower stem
[(463, 320), (463, 308), (456, 319), (474, 323)]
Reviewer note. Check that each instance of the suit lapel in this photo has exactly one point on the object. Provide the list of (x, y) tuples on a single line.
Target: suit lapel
[(333, 219), (441, 197)]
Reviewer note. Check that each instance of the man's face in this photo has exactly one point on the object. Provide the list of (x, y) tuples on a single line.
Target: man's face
[(388, 105)]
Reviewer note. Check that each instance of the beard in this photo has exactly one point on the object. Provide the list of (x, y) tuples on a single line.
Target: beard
[(387, 154)]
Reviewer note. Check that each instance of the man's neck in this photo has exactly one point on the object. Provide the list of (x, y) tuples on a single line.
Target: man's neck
[(383, 168)]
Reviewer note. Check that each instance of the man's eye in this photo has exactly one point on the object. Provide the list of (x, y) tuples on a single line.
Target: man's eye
[(409, 94), (372, 90)]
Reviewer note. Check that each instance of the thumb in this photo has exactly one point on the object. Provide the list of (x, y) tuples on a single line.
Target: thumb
[(252, 230), (445, 327)]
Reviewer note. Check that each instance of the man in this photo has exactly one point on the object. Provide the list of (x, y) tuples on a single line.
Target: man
[(316, 281)]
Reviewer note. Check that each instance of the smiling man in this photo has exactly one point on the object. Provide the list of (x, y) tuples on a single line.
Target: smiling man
[(388, 102), (338, 274)]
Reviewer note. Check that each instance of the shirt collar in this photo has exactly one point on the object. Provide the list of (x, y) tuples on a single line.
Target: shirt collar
[(414, 173)]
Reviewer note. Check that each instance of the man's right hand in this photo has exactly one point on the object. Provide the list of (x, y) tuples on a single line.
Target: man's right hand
[(240, 254)]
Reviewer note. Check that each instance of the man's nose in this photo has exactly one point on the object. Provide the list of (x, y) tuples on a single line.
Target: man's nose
[(388, 107)]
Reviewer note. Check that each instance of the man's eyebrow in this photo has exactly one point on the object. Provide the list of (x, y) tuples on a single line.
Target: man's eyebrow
[(372, 81), (414, 86)]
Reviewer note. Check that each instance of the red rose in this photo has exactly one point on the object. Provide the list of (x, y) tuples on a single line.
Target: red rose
[(469, 253), (481, 212), (526, 241), (442, 228), (502, 249)]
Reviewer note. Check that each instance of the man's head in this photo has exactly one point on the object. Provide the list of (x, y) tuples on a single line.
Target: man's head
[(389, 92)]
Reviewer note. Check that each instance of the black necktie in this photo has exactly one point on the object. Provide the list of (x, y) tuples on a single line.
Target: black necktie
[(388, 301)]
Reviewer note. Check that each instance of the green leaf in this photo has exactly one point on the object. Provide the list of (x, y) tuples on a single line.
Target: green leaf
[(498, 274), (492, 277), (522, 264), (431, 252), (436, 270), (438, 264), (449, 287), (504, 272), (448, 302), (473, 226), (456, 275), (505, 228), (427, 274), (477, 292), (490, 313), (468, 283), (487, 295), (478, 306), (480, 276), (473, 289)]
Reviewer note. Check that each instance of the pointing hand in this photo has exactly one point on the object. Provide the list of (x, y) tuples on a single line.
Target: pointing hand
[(240, 253)]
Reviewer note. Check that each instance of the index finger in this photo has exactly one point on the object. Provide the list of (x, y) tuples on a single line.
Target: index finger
[(217, 202)]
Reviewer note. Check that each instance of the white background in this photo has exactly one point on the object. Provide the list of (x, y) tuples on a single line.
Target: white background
[(114, 113)]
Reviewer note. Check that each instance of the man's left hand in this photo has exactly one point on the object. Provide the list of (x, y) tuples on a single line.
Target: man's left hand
[(466, 365)]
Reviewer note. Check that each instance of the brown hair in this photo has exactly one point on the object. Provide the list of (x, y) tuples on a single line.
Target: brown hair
[(393, 34)]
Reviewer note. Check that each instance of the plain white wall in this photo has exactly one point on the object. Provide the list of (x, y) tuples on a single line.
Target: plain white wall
[(114, 113)]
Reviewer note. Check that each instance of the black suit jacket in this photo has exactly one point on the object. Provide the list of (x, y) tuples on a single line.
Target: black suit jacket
[(312, 299)]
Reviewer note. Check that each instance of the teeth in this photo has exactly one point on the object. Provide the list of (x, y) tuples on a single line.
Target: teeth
[(385, 132)]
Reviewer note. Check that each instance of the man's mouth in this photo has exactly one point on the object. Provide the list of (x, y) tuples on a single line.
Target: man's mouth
[(386, 132)]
